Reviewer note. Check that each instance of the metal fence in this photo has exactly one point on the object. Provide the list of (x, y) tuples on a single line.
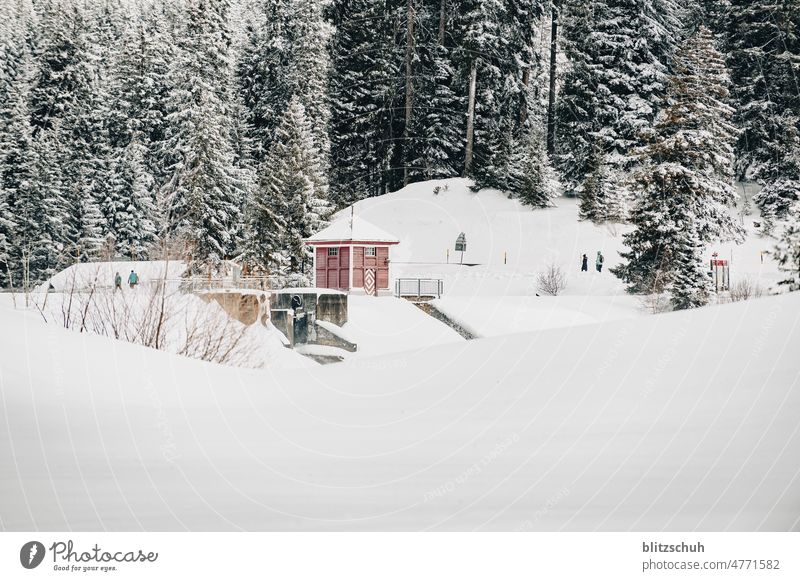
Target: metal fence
[(419, 287)]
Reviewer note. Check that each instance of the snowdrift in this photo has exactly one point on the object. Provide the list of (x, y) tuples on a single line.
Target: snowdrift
[(675, 422)]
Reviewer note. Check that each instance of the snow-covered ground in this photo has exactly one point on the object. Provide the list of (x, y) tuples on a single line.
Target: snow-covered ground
[(509, 244), (576, 412), (102, 273), (682, 421), (390, 325)]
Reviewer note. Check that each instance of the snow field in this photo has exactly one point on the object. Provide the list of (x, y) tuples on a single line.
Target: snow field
[(683, 421)]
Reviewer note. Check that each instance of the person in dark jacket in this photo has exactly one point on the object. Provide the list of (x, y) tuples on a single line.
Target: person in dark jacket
[(585, 264), (117, 282)]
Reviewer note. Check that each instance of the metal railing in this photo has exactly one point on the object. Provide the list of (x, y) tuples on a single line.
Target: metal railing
[(419, 287)]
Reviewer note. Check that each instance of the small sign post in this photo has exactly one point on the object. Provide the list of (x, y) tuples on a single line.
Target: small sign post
[(720, 273), (461, 245)]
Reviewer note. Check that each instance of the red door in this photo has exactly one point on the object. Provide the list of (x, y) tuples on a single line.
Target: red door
[(333, 268)]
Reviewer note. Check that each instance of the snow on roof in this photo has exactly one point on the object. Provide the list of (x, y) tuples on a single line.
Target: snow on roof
[(307, 291), (361, 231)]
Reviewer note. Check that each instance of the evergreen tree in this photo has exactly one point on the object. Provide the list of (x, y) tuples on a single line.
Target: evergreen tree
[(310, 75), (618, 52), (291, 181), (787, 251), (602, 198), (84, 162), (261, 71), (690, 286), (205, 188), (435, 145), (64, 74), (685, 186), (139, 89), (39, 215), (764, 57), (15, 151), (363, 95), (498, 42), (130, 204), (532, 178)]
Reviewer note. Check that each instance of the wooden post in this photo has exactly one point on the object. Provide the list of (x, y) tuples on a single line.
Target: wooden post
[(473, 81)]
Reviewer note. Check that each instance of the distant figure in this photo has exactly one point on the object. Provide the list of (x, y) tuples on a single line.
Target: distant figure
[(117, 282), (133, 279), (585, 264), (599, 262)]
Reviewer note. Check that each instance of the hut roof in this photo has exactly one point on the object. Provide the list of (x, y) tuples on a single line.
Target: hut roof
[(352, 230)]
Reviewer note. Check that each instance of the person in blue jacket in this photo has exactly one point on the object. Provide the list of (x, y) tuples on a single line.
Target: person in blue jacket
[(133, 279)]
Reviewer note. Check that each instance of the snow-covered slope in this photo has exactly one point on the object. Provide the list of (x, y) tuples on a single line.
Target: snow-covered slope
[(509, 244), (681, 422)]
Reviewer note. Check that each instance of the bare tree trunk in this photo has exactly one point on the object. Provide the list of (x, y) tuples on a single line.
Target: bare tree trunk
[(473, 81), (442, 21), (551, 100), (409, 88), (523, 104)]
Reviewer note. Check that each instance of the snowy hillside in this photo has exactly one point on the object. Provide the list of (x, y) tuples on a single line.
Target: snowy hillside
[(677, 422), (508, 244)]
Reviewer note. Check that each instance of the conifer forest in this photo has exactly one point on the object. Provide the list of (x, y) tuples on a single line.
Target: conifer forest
[(209, 130)]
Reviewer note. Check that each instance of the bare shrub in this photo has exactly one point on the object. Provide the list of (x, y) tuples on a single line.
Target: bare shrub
[(552, 281), (148, 317), (658, 299), (613, 229), (745, 289), (214, 336)]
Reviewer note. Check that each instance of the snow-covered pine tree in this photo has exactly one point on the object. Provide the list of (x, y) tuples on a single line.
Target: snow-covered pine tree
[(685, 185), (435, 147), (498, 47), (261, 71), (309, 77), (363, 94), (84, 162), (68, 101), (140, 87), (618, 52), (787, 251), (603, 194), (39, 215), (29, 180), (290, 179), (531, 176), (689, 286), (763, 44), (596, 187), (133, 211), (15, 136), (205, 188), (63, 72), (7, 228), (265, 228)]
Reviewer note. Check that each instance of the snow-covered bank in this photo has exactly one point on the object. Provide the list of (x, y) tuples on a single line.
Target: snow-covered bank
[(510, 242), (674, 422)]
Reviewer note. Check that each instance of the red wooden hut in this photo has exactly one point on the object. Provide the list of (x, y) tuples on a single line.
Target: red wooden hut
[(354, 256)]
